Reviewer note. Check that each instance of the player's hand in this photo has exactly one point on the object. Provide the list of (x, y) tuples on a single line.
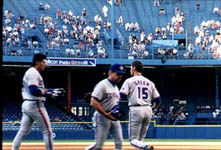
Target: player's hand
[(109, 116)]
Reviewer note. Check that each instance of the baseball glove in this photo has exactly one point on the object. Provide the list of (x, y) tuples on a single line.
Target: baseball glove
[(54, 93), (117, 112)]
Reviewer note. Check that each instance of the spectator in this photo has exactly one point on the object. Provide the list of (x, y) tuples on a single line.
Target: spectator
[(70, 15), (164, 37), (58, 13), (29, 42), (57, 119), (91, 54), (156, 3), (68, 52), (175, 53), (78, 52), (47, 6), (41, 7), (162, 11), (198, 41), (13, 52), (84, 12), (198, 5), (35, 44), (118, 2), (101, 52), (109, 2), (120, 21), (137, 28), (216, 10), (177, 10), (142, 37), (196, 30), (127, 26), (36, 51), (98, 19), (107, 24), (146, 54), (105, 11), (180, 116)]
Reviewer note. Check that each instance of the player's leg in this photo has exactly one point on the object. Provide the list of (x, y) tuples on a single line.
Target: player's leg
[(144, 128), (92, 146), (116, 132), (25, 128), (102, 130), (42, 119), (134, 128), (145, 124)]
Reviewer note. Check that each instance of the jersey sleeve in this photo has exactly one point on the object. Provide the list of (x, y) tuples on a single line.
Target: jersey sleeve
[(99, 91), (33, 79), (155, 93), (125, 88)]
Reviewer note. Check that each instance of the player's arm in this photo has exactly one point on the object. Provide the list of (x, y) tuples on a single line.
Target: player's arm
[(36, 91), (99, 108), (124, 91), (156, 102), (53, 93), (123, 96)]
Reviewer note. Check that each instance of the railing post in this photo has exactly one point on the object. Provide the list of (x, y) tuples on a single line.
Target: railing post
[(112, 30)]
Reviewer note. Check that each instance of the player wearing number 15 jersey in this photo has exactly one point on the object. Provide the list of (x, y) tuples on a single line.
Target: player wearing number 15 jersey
[(140, 92)]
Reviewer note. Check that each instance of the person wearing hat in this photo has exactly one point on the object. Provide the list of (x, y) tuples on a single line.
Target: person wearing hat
[(104, 98)]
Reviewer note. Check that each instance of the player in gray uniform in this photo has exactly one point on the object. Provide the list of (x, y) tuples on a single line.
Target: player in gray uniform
[(104, 97), (33, 109), (139, 91)]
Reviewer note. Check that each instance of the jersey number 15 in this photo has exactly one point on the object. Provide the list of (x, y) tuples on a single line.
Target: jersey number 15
[(142, 92)]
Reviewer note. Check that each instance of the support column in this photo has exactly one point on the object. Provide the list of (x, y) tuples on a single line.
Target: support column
[(69, 90), (112, 31), (217, 89)]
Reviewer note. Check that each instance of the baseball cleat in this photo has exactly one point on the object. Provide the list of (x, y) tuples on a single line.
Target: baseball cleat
[(148, 147)]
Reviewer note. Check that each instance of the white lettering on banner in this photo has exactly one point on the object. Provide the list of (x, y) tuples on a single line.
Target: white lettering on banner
[(49, 61), (71, 62)]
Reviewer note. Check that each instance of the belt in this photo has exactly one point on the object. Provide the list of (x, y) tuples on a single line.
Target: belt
[(138, 105), (35, 100)]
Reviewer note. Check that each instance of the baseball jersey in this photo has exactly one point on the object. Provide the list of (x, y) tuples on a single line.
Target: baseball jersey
[(107, 94), (32, 77), (139, 90)]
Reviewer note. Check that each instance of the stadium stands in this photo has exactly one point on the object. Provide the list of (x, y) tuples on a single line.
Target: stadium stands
[(60, 29)]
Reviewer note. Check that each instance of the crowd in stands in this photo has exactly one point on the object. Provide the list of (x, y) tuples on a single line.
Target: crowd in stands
[(66, 31), (117, 2), (13, 33), (174, 114), (204, 109), (74, 34), (137, 45), (208, 37)]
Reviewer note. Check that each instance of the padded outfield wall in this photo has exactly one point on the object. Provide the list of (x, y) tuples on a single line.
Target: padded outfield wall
[(155, 131)]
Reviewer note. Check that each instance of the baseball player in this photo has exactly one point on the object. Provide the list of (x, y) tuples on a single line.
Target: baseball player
[(33, 109), (139, 91), (105, 96)]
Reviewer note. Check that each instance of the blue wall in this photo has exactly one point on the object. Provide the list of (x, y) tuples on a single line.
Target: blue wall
[(188, 132), (155, 131)]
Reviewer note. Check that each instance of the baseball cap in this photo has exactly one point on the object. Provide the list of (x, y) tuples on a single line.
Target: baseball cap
[(117, 68)]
